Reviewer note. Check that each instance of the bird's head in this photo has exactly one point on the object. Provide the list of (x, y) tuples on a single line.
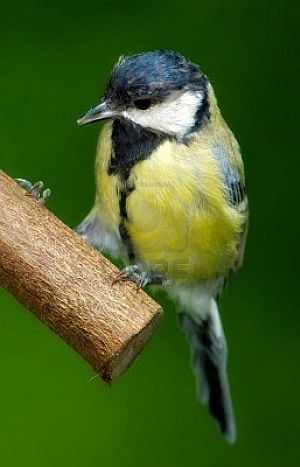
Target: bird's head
[(158, 90)]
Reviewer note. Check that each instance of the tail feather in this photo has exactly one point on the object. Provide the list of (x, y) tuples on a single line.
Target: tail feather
[(209, 356)]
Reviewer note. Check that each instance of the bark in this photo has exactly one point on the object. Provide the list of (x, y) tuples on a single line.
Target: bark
[(67, 285)]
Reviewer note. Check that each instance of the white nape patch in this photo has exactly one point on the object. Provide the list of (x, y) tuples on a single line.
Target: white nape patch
[(174, 116)]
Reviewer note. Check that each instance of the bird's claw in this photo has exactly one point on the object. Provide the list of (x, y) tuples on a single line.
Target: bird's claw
[(132, 273), (35, 190)]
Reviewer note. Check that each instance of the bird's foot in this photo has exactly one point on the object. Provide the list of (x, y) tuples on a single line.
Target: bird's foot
[(139, 277), (35, 190)]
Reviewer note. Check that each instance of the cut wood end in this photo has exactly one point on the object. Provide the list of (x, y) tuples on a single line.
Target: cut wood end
[(121, 362)]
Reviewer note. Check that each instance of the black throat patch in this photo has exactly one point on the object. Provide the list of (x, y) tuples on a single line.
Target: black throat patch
[(131, 144)]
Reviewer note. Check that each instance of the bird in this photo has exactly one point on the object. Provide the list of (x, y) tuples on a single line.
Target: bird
[(171, 202)]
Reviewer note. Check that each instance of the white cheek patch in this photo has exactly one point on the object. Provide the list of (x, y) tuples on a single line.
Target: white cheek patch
[(175, 116)]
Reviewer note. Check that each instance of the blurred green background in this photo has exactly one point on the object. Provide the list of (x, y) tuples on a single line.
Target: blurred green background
[(55, 60)]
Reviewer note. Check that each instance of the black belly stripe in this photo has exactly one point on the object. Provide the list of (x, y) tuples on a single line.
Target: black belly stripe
[(124, 193), (131, 144)]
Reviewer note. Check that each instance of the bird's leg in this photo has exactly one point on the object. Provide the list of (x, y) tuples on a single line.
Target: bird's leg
[(35, 190), (140, 277)]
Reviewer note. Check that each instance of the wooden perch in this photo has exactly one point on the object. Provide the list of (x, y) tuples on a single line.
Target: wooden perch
[(67, 285)]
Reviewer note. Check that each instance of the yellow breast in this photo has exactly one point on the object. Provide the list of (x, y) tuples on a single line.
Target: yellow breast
[(178, 218)]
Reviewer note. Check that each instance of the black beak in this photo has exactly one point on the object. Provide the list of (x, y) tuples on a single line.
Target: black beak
[(99, 112)]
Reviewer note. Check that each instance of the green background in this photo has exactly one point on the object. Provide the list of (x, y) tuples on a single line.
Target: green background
[(55, 60)]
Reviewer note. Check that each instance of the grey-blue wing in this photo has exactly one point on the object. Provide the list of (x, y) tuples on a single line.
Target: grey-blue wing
[(233, 178), (93, 230), (236, 193)]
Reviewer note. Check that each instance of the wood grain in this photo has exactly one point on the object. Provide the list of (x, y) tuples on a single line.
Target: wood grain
[(67, 285)]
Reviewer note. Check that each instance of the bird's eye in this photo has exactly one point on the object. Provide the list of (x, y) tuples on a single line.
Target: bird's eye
[(142, 104)]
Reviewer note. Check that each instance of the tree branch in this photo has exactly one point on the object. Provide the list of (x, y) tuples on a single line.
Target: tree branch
[(67, 285)]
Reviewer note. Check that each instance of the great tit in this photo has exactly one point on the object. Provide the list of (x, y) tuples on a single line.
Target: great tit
[(170, 200)]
